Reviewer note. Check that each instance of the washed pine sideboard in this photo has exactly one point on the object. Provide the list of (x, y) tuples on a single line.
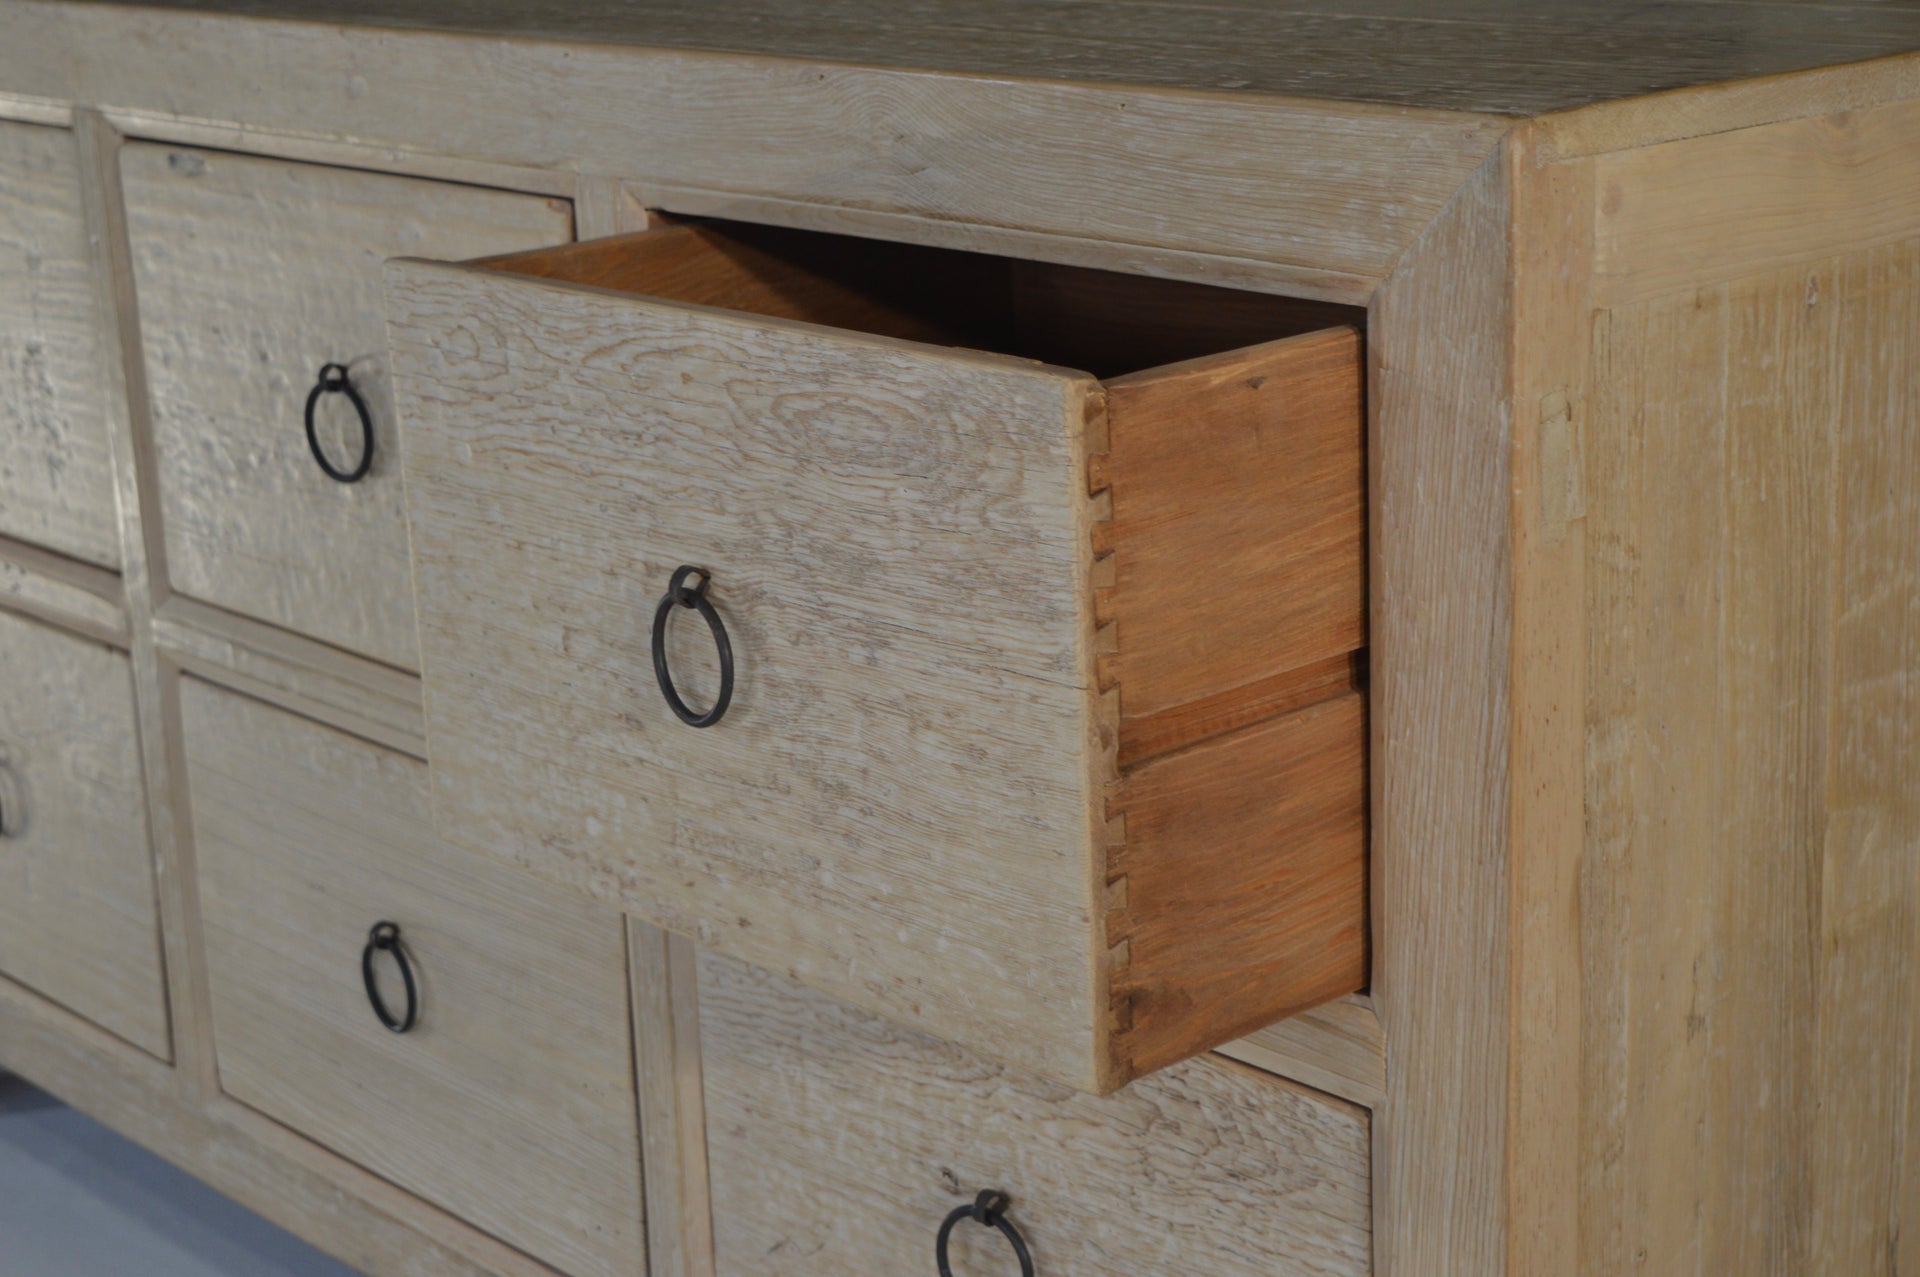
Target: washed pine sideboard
[(1323, 609)]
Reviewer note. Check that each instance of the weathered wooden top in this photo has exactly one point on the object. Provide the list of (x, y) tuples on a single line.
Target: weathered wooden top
[(1501, 57), (1258, 144)]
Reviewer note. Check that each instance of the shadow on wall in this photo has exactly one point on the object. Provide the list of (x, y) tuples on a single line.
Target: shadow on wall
[(76, 1200)]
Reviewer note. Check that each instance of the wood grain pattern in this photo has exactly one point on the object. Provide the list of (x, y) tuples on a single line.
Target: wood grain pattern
[(1206, 1167), (663, 969), (365, 698), (1550, 262), (1707, 210), (1728, 106), (74, 595), (892, 290), (251, 273), (1337, 1048), (1506, 56), (1755, 490), (958, 595), (142, 582), (512, 1102), (77, 913), (1245, 870), (54, 464), (1439, 341), (858, 502), (1315, 199), (1238, 531), (1105, 322)]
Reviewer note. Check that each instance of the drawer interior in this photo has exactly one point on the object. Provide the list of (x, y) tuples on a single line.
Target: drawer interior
[(1103, 322)]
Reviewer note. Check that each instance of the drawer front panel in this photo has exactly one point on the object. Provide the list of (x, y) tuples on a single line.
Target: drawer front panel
[(251, 275), (899, 804), (56, 472), (511, 1102), (1205, 1167), (78, 921)]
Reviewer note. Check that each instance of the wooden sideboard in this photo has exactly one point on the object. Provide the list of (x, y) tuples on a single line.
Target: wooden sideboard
[(1323, 611)]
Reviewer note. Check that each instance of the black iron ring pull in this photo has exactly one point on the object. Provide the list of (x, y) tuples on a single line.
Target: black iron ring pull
[(385, 938), (333, 381), (990, 1209), (695, 597)]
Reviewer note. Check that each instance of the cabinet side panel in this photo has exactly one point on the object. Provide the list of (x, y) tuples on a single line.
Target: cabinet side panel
[(1754, 814)]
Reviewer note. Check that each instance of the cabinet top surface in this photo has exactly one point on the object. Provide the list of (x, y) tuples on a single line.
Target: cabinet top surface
[(1502, 57)]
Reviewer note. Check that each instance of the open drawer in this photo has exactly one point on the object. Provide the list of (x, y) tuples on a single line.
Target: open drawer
[(1042, 731)]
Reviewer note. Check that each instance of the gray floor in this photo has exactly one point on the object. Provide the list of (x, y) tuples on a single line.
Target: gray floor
[(76, 1200)]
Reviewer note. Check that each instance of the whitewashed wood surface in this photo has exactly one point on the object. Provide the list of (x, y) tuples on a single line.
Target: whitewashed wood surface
[(250, 274), (78, 921), (838, 1141), (512, 1102), (900, 805), (56, 475)]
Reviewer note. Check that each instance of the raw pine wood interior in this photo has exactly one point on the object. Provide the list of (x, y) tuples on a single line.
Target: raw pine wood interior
[(1224, 588), (1105, 322), (1257, 842)]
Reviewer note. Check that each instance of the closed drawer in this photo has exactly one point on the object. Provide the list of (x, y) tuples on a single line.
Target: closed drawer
[(1043, 733), (837, 1144), (510, 1102), (78, 922), (251, 275), (56, 474)]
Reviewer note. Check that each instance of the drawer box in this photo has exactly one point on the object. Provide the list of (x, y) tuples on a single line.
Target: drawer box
[(56, 470), (1206, 1167), (78, 920), (1044, 734), (511, 1102), (250, 275)]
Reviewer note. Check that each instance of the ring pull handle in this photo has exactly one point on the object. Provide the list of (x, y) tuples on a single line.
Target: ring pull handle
[(333, 381), (989, 1209), (385, 938), (680, 594)]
